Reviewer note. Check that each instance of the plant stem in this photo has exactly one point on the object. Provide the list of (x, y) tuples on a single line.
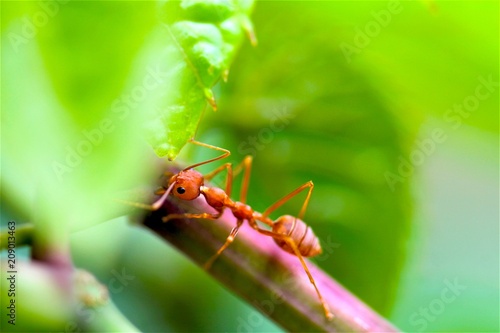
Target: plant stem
[(23, 235), (260, 272)]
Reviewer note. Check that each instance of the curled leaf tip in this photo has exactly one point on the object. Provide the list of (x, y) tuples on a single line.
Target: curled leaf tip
[(213, 104), (252, 37), (171, 155), (209, 95), (202, 40), (249, 30)]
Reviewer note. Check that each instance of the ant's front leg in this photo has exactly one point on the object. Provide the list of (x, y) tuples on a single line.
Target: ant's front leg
[(245, 165), (229, 177)]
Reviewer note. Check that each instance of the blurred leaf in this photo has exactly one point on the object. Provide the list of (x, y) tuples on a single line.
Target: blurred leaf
[(202, 38), (12, 11), (88, 74), (458, 195), (65, 137), (430, 64), (41, 305)]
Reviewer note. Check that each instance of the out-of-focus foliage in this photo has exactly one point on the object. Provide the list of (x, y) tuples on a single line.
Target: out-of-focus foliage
[(68, 123), (341, 93)]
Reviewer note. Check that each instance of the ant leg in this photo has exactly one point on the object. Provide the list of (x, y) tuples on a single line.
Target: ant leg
[(192, 216), (229, 240), (246, 164), (290, 195), (229, 176), (209, 176), (329, 315), (225, 154), (167, 174)]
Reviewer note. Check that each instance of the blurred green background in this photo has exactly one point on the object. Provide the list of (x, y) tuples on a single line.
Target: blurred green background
[(347, 94)]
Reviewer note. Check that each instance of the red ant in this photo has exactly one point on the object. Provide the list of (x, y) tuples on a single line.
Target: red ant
[(290, 233)]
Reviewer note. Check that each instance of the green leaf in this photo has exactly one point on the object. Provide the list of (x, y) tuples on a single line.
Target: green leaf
[(200, 40)]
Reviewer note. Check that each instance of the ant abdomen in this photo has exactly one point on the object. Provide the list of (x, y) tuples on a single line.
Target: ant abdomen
[(303, 236)]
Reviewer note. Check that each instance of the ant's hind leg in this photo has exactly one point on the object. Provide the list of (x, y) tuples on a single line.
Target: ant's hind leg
[(328, 313), (290, 195), (228, 242)]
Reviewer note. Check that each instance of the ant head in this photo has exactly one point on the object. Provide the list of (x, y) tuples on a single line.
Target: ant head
[(186, 184)]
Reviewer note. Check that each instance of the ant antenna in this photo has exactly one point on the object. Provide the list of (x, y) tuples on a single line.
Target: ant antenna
[(158, 203)]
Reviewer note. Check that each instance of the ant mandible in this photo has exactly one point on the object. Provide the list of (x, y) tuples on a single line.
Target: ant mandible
[(290, 233)]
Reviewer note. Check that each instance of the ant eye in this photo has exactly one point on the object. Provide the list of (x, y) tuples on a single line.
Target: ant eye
[(181, 190)]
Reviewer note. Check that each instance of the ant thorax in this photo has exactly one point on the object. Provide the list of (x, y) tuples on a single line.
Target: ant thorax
[(216, 197)]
